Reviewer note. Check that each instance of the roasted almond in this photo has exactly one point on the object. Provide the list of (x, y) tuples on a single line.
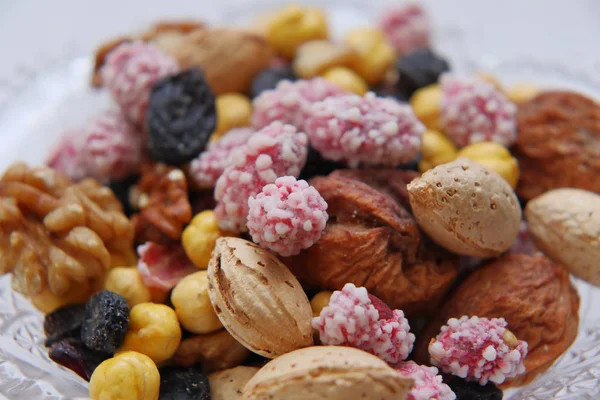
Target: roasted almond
[(229, 384)]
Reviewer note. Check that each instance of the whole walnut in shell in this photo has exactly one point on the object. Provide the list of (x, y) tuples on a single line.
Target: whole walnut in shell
[(371, 240), (532, 293), (559, 143)]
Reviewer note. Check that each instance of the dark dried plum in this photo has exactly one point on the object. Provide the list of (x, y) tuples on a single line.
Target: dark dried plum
[(121, 189), (317, 165), (105, 322), (181, 117), (268, 78), (473, 390), (74, 355), (418, 69), (177, 383), (64, 322)]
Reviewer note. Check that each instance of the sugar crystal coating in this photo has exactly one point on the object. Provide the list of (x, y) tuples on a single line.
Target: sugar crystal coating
[(428, 384), (352, 320), (289, 101), (478, 349), (274, 151), (209, 165), (130, 71), (406, 27), (287, 216), (473, 111), (365, 130)]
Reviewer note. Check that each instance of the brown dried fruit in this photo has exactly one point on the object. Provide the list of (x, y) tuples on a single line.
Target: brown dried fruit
[(372, 241), (559, 143), (162, 197), (532, 293), (213, 351), (55, 235)]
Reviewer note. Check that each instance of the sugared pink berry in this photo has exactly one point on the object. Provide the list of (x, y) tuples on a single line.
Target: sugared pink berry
[(352, 320), (129, 73), (365, 130), (406, 27), (428, 384), (289, 101), (209, 165), (274, 151), (106, 148), (475, 111), (478, 349), (162, 267), (287, 216)]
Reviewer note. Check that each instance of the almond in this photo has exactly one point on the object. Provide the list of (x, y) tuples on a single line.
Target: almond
[(327, 372), (258, 300), (565, 225), (466, 208), (229, 384)]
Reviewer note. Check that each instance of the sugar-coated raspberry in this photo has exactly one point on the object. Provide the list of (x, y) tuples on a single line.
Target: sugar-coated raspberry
[(209, 165), (162, 267), (406, 27), (287, 216), (478, 349), (130, 71), (352, 319), (274, 151), (475, 111), (106, 148), (428, 384), (367, 130), (289, 101)]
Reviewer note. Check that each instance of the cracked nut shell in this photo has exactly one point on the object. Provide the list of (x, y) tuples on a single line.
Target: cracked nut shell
[(229, 384)]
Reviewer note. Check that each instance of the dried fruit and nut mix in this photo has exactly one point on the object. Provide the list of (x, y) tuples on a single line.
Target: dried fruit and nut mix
[(432, 219)]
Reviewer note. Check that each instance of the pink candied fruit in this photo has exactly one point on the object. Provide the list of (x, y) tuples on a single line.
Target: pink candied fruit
[(209, 165), (475, 111), (365, 130), (162, 267), (428, 384), (274, 151), (130, 72), (406, 27), (353, 318), (287, 216), (106, 148), (478, 349), (289, 101)]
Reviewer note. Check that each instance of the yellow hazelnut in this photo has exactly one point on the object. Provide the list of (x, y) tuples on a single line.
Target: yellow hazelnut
[(128, 283), (374, 54), (295, 25), (346, 79), (316, 56), (199, 238), (495, 157), (427, 104), (129, 375), (522, 92), (436, 149), (320, 301), (193, 306), (233, 111), (153, 330)]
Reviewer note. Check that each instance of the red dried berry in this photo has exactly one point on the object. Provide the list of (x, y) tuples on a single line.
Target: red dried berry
[(162, 267)]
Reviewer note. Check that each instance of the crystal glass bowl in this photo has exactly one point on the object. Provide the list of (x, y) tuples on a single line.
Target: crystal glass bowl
[(55, 94)]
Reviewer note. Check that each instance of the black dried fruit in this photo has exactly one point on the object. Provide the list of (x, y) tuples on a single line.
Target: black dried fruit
[(181, 117), (121, 189), (63, 322), (74, 355), (316, 165), (418, 69), (105, 322), (268, 78), (473, 390), (178, 383)]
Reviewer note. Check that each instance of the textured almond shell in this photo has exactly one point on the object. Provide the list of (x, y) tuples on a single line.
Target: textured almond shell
[(565, 225), (228, 384), (327, 372), (466, 208), (258, 300)]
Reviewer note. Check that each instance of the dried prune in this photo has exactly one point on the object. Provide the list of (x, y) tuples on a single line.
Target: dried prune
[(317, 165), (472, 390), (62, 323), (177, 383), (418, 69), (270, 77), (181, 117), (72, 353), (105, 322)]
